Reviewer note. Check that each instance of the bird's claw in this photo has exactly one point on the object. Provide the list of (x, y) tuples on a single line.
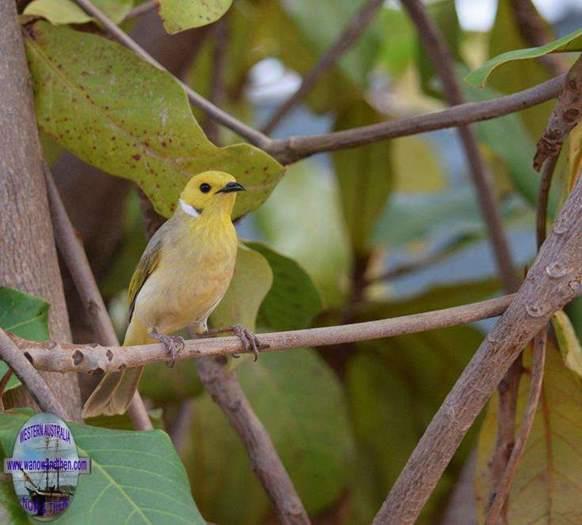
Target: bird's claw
[(249, 341), (174, 344)]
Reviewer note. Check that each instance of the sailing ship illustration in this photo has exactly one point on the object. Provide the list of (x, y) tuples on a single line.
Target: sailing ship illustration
[(46, 493)]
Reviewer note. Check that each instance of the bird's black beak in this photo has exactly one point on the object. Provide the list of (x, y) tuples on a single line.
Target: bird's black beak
[(232, 187)]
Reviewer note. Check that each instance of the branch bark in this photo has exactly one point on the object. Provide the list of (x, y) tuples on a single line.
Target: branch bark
[(552, 282), (85, 358), (35, 384), (72, 251), (226, 391), (28, 259), (346, 39)]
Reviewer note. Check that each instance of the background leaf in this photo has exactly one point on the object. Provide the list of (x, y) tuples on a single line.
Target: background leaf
[(179, 15), (152, 139), (568, 43), (568, 342), (67, 12), (365, 177), (301, 404), (293, 301), (25, 316), (250, 283), (545, 488)]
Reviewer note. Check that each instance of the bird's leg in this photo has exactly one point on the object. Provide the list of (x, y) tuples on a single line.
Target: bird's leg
[(249, 341), (174, 344)]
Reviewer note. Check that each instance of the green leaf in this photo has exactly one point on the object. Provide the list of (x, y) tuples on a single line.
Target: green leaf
[(365, 177), (136, 477), (250, 284), (444, 14), (132, 120), (568, 43), (300, 402), (547, 487), (67, 12), (416, 166), (25, 316), (179, 15), (123, 422), (302, 221), (293, 301), (568, 342), (394, 388)]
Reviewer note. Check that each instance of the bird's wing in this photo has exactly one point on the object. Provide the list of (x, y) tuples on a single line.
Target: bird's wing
[(149, 261)]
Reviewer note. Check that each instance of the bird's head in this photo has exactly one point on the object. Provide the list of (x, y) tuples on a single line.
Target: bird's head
[(211, 190)]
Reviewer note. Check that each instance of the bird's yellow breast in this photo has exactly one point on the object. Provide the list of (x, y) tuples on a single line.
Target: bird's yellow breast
[(196, 265)]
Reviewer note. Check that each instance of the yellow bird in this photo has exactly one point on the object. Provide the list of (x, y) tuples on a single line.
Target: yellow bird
[(181, 277)]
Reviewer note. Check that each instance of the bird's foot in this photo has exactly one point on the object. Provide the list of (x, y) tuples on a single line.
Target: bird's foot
[(174, 344), (250, 342)]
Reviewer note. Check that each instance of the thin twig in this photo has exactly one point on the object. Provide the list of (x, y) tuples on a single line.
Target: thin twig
[(345, 40), (85, 358), (537, 375), (29, 377), (223, 386), (543, 198), (436, 47), (142, 9), (3, 384), (252, 135), (75, 258), (542, 293)]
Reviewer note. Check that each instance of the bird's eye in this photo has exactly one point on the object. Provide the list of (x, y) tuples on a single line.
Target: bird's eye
[(205, 188)]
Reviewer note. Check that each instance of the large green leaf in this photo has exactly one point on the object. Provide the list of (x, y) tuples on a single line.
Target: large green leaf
[(302, 221), (179, 15), (568, 43), (132, 120), (68, 12), (547, 487), (250, 284), (365, 177), (136, 477), (25, 316), (300, 402), (293, 301)]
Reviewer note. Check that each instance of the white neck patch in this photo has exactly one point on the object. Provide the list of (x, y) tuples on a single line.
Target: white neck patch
[(189, 210)]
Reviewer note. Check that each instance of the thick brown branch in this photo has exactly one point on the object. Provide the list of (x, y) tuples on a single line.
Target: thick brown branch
[(84, 358), (73, 254), (543, 198), (537, 375), (552, 282), (226, 391), (346, 39), (252, 135), (29, 376)]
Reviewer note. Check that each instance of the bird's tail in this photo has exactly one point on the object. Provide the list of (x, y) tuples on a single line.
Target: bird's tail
[(115, 391)]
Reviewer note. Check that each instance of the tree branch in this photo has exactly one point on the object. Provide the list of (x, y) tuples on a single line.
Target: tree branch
[(74, 256), (543, 198), (293, 149), (552, 282), (537, 375), (85, 358), (29, 376), (346, 39), (252, 135), (226, 391), (142, 9)]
